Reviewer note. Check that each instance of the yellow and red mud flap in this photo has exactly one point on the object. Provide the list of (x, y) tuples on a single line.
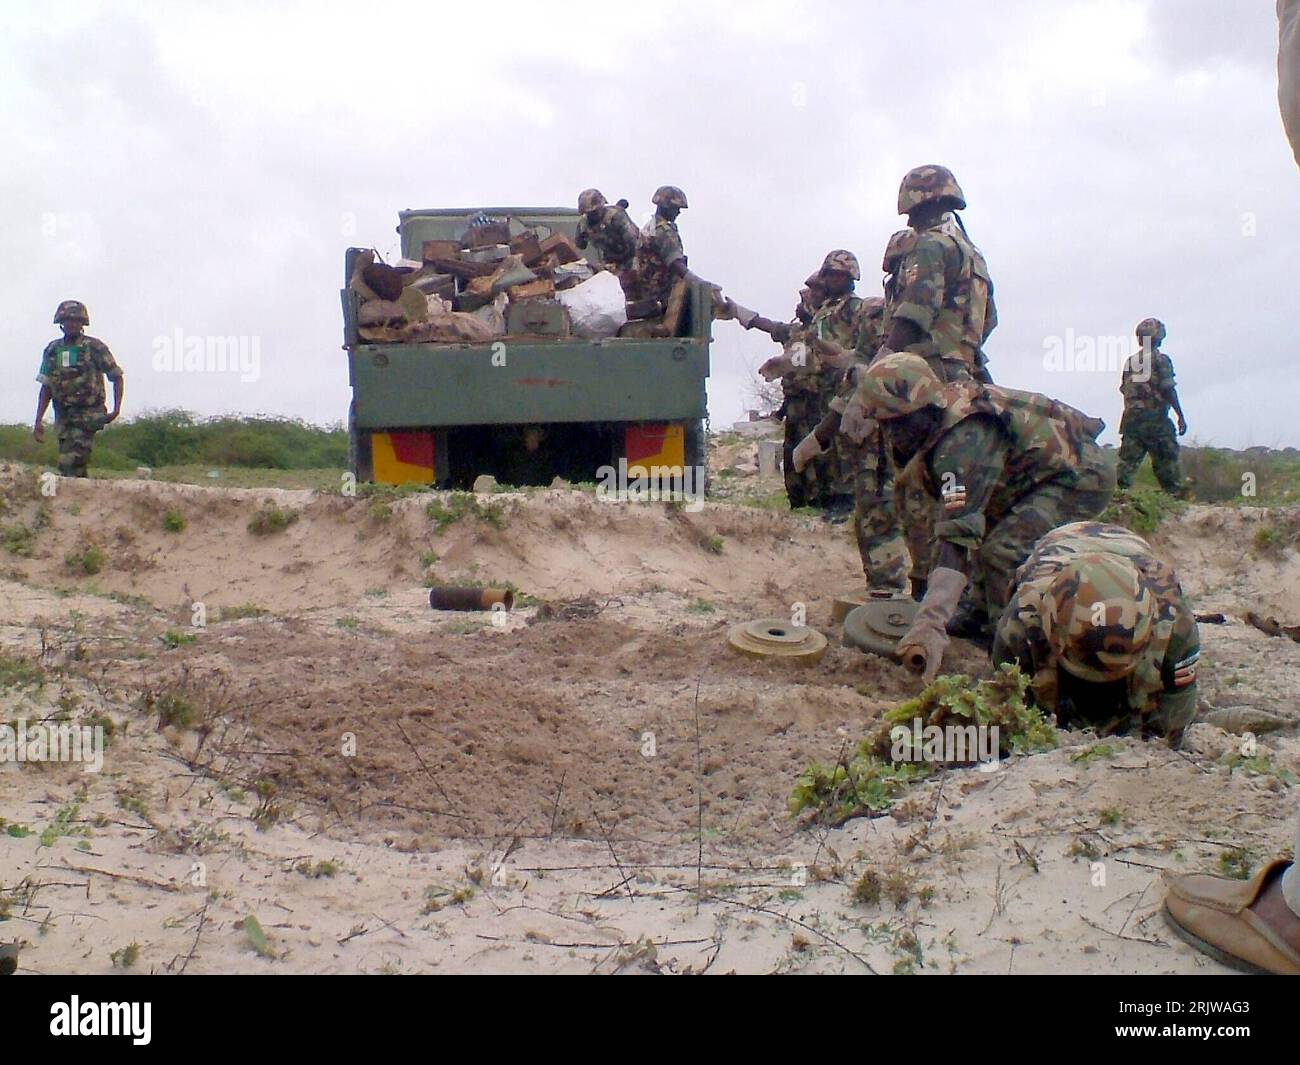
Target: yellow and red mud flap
[(654, 445), (404, 456)]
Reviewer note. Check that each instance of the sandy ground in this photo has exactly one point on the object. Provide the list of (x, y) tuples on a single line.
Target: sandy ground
[(389, 789)]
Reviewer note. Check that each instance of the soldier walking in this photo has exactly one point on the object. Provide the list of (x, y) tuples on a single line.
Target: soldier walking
[(72, 377), (1149, 393)]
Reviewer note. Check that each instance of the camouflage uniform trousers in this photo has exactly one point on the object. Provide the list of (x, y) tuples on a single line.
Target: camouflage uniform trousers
[(1008, 543), (875, 524), (1150, 431), (916, 508), (841, 462), (806, 489), (76, 430)]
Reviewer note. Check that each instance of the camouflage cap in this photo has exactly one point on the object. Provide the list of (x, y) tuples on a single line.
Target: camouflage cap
[(843, 261), (669, 196), (898, 384), (1099, 617), (1151, 327), (925, 184), (590, 200), (71, 309), (814, 280), (899, 245)]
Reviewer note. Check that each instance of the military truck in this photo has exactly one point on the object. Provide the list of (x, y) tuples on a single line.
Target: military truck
[(524, 408)]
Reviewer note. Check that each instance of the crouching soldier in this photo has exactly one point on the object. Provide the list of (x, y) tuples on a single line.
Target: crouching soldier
[(72, 376), (1099, 624), (1007, 467)]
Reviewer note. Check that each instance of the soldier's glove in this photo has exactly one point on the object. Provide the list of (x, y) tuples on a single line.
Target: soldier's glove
[(855, 421), (807, 450), (776, 366), (923, 645), (1182, 426)]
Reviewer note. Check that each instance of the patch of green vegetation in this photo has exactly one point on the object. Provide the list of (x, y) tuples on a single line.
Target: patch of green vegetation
[(380, 510), (1271, 541), (429, 558), (1084, 847), (1096, 752), (125, 957), (701, 606), (173, 638), (868, 889), (713, 543), (271, 519), (1142, 508), (18, 539), (242, 610), (16, 672), (869, 780), (321, 869), (1110, 817), (268, 810), (437, 897), (63, 825), (1257, 765), (173, 520), (175, 711), (17, 831), (88, 560), (458, 505), (1235, 862), (257, 938), (349, 624)]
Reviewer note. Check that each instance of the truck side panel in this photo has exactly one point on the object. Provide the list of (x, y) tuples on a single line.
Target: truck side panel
[(422, 385)]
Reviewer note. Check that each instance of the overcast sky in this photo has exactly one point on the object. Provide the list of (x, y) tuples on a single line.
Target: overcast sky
[(203, 167)]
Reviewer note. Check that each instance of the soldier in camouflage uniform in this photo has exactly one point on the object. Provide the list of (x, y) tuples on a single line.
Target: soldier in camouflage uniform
[(1006, 465), (861, 445), (833, 334), (608, 228), (72, 377), (660, 257), (1099, 624), (1149, 392), (940, 305)]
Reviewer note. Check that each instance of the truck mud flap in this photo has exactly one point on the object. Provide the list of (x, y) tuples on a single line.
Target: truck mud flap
[(654, 445), (403, 456)]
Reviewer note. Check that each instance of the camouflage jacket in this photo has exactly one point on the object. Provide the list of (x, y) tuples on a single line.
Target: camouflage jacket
[(941, 284), (1161, 687), (836, 321), (1147, 384), (997, 445), (74, 373), (659, 246), (806, 380), (614, 235)]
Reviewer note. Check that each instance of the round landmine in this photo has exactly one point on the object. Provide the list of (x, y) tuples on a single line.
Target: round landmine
[(778, 638), (879, 624)]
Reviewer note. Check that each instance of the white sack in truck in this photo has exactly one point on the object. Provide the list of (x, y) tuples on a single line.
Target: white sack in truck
[(597, 308)]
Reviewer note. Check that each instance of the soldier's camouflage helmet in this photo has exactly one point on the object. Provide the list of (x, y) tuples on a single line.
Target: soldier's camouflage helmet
[(898, 384), (927, 183), (668, 196), (872, 307), (590, 200), (1099, 618), (843, 261), (815, 280), (71, 309), (899, 245), (1151, 327)]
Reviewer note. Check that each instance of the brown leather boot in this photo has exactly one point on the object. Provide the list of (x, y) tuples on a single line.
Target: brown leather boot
[(1242, 923)]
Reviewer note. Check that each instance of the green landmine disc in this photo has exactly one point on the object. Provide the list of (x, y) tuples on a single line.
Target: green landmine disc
[(878, 624)]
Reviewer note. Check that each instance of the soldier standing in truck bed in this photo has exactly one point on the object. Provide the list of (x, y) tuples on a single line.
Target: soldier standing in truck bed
[(72, 377), (608, 229), (660, 257)]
